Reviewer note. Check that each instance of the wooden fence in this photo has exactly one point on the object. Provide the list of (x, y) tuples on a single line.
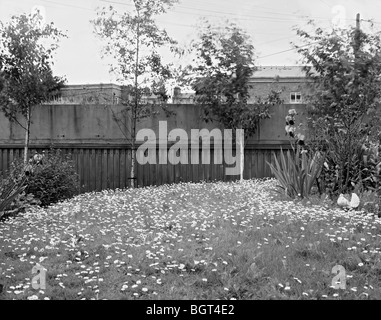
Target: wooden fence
[(108, 167)]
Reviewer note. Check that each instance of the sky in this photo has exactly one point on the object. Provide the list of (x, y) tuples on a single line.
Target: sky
[(269, 22)]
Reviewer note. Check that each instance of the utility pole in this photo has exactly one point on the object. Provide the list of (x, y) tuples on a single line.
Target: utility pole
[(358, 21), (356, 47)]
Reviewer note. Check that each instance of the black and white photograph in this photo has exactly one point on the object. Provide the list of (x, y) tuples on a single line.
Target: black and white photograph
[(190, 157)]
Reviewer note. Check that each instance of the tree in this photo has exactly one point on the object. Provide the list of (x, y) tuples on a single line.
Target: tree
[(344, 68), (26, 77), (222, 70), (133, 40)]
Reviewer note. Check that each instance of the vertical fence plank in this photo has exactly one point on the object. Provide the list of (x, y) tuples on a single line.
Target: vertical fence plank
[(152, 171), (146, 175), (11, 157), (260, 163), (15, 154), (86, 164), (202, 159), (122, 169), (82, 169), (140, 170), (104, 169), (170, 173), (4, 160), (116, 169), (250, 160), (273, 155), (177, 173), (92, 171), (170, 166), (98, 169), (193, 160), (110, 169), (183, 172), (269, 158), (75, 160), (163, 167), (189, 167), (206, 160), (254, 163), (157, 169)]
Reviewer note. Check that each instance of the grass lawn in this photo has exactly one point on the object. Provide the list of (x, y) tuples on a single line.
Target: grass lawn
[(191, 241)]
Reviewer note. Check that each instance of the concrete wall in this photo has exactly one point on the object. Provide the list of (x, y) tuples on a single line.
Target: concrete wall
[(94, 124)]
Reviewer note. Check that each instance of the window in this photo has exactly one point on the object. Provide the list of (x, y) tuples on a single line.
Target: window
[(295, 97)]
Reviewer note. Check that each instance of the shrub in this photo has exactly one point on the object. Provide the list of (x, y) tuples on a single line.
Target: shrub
[(13, 198), (54, 178), (343, 68), (361, 171), (370, 202), (370, 169)]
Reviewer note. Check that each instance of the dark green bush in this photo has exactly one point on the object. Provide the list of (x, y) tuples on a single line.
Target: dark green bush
[(361, 173), (54, 178)]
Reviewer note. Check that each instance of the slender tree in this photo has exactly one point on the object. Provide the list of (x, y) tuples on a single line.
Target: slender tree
[(133, 39), (222, 70), (26, 77)]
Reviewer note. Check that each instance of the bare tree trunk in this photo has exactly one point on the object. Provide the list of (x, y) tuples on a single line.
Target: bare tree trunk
[(241, 154), (133, 155), (26, 144), (135, 107), (133, 151)]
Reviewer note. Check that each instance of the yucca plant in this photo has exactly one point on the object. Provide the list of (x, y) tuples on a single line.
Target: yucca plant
[(11, 187), (297, 175)]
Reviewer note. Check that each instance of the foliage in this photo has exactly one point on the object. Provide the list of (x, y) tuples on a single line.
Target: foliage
[(299, 173), (13, 198), (9, 191), (365, 170), (133, 39), (221, 74), (344, 66), (25, 201), (370, 202), (25, 67), (371, 167), (53, 179)]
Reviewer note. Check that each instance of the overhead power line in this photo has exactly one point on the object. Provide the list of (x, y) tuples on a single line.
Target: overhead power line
[(288, 50), (297, 18), (238, 16)]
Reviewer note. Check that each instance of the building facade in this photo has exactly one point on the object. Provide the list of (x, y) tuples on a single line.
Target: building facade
[(289, 80)]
